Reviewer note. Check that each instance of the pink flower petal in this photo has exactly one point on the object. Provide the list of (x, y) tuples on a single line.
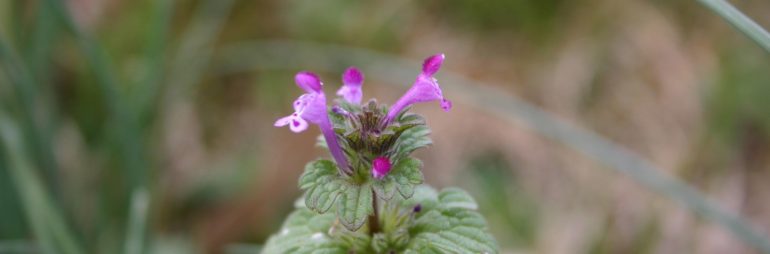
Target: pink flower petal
[(380, 167), (352, 76), (446, 105), (283, 121), (298, 125), (309, 82), (351, 94), (432, 64)]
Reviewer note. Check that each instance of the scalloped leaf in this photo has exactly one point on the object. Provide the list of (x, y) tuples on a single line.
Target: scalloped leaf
[(454, 226), (354, 205), (322, 185), (407, 175), (304, 231), (424, 195), (457, 240), (412, 139), (453, 197), (403, 177), (385, 188)]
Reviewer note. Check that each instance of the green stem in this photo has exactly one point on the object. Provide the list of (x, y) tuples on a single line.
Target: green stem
[(374, 219)]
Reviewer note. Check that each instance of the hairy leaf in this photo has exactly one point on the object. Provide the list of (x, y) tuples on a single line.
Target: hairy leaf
[(355, 205), (412, 139), (453, 226), (304, 232), (457, 198), (404, 176), (322, 185), (358, 242)]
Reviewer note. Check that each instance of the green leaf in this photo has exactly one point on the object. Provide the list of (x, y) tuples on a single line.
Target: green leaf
[(425, 196), (357, 242), (404, 176), (355, 205), (430, 221), (458, 240), (385, 188), (411, 119), (412, 139), (452, 226), (457, 198), (323, 248), (388, 242), (407, 175), (322, 185), (304, 232), (380, 243)]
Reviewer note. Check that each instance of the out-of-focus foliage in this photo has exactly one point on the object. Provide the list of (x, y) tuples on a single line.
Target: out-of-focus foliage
[(138, 99)]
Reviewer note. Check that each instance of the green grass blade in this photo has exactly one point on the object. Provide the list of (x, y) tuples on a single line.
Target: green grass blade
[(122, 123), (39, 65), (45, 220), (140, 202), (157, 37), (196, 45), (285, 54), (740, 21), (24, 86)]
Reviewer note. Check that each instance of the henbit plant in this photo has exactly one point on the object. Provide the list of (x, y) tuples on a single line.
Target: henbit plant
[(350, 204)]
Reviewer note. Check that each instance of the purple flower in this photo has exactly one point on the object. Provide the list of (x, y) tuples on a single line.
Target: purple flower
[(417, 208), (352, 79), (424, 89), (380, 167), (311, 107)]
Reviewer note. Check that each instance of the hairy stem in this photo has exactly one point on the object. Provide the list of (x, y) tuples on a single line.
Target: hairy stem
[(374, 219)]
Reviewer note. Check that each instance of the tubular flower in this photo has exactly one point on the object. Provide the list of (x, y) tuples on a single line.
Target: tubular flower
[(424, 89), (380, 167), (352, 79), (311, 107)]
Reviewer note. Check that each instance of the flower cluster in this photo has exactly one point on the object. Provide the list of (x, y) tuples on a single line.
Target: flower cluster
[(368, 132), (372, 197)]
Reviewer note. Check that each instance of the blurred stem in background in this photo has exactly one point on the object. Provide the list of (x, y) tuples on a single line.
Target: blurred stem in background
[(53, 233), (130, 117), (740, 21), (26, 80)]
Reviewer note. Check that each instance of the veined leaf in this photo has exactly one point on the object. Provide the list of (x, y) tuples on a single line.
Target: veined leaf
[(412, 139), (453, 226), (322, 185), (355, 205), (457, 198), (425, 196), (304, 232), (385, 188), (404, 176)]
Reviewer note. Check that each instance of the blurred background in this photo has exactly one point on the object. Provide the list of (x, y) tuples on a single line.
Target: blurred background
[(146, 126)]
